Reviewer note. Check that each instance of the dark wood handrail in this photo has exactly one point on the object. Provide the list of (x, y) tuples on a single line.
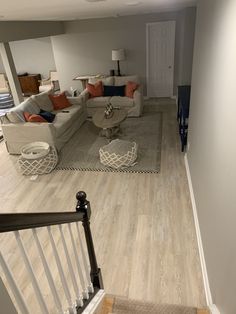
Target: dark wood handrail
[(21, 221)]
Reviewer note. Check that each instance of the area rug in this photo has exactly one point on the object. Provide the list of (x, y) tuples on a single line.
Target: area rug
[(82, 151)]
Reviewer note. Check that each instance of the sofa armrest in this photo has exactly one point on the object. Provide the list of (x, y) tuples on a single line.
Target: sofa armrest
[(79, 100), (85, 95), (18, 134), (138, 99)]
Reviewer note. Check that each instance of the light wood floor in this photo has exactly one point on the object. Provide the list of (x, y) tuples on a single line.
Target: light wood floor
[(142, 223)]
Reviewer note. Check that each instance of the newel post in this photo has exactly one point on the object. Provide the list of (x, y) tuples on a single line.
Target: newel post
[(83, 206)]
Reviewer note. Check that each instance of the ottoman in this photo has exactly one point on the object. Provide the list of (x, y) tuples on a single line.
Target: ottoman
[(118, 154)]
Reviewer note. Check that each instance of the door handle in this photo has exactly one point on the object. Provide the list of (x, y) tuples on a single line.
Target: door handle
[(170, 67)]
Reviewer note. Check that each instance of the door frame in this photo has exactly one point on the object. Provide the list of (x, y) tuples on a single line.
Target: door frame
[(147, 54)]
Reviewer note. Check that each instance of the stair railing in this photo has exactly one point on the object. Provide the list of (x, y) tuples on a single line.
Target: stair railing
[(84, 274)]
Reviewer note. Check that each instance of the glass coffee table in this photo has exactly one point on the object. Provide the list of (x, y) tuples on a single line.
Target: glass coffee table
[(110, 126)]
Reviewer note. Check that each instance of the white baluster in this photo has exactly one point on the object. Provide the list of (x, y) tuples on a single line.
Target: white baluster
[(48, 273), (79, 302), (33, 279), (16, 292), (85, 290), (61, 272), (86, 267)]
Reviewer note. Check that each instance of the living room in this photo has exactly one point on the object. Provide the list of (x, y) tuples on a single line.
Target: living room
[(144, 212)]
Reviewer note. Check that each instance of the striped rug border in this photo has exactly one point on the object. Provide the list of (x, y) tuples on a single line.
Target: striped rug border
[(107, 170)]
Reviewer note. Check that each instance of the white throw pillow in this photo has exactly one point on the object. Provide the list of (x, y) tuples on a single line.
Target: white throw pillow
[(123, 80), (43, 101), (109, 81)]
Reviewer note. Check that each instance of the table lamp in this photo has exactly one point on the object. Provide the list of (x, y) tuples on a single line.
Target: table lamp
[(118, 55)]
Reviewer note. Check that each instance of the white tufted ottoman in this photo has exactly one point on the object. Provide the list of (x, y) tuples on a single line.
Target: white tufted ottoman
[(118, 154)]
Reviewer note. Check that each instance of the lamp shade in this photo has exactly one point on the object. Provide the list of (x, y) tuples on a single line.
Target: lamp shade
[(118, 54)]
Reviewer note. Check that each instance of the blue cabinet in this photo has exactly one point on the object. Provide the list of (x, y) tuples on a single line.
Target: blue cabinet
[(183, 113)]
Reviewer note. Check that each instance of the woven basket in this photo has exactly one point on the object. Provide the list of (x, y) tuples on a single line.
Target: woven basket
[(40, 165), (118, 154)]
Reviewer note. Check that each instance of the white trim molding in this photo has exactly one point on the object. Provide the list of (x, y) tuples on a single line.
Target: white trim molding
[(94, 306), (212, 307)]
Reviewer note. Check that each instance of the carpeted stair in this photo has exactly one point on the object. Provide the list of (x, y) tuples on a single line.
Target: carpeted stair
[(117, 305)]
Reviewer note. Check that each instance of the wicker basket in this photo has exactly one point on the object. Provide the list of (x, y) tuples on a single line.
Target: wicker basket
[(40, 165), (118, 154)]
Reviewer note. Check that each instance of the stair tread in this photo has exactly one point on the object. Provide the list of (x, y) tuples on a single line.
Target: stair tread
[(119, 305)]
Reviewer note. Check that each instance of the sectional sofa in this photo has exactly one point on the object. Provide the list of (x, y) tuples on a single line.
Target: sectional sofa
[(17, 132)]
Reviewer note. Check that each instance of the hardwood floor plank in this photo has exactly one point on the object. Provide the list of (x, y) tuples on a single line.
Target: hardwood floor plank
[(142, 224)]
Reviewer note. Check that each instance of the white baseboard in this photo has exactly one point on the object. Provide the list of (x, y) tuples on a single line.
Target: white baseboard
[(212, 307)]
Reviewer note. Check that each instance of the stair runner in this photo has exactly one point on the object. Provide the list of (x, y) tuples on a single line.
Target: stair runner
[(117, 305)]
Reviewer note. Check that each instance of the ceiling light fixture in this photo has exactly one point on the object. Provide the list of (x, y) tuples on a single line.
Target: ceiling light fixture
[(94, 0), (133, 3)]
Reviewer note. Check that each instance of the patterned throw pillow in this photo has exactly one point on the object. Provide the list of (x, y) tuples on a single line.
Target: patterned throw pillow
[(95, 90), (59, 101), (33, 117), (130, 88)]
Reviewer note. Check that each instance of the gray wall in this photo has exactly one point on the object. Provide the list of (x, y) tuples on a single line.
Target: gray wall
[(10, 31), (212, 153), (86, 46), (32, 56)]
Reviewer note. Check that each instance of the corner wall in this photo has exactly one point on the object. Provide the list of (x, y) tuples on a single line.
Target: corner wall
[(32, 56), (87, 44), (212, 152)]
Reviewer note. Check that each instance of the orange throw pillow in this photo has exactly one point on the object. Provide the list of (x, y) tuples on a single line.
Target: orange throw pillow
[(95, 90), (33, 117), (59, 101), (130, 88)]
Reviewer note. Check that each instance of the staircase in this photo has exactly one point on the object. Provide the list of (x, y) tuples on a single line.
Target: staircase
[(119, 305), (79, 287)]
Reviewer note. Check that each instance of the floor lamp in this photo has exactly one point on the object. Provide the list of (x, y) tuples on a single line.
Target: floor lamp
[(118, 55)]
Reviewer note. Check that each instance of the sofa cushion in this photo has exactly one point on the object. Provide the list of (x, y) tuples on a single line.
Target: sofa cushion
[(33, 117), (95, 90), (59, 101), (118, 101), (114, 90), (130, 89), (123, 80), (16, 115), (98, 102), (105, 81), (48, 116), (64, 118), (43, 101)]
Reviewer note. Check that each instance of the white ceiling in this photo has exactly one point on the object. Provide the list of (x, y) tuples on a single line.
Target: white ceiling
[(81, 9)]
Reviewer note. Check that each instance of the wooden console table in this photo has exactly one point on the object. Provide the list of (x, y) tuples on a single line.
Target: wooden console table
[(30, 84)]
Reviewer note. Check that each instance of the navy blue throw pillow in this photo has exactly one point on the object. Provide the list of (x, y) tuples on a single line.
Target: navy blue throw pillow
[(114, 90), (48, 116)]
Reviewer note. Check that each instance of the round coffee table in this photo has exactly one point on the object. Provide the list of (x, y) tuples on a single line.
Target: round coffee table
[(110, 126)]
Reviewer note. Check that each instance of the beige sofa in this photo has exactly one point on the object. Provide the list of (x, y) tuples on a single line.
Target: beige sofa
[(17, 132), (133, 105)]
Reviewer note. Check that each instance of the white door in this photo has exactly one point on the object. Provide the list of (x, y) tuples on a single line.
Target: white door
[(160, 58)]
